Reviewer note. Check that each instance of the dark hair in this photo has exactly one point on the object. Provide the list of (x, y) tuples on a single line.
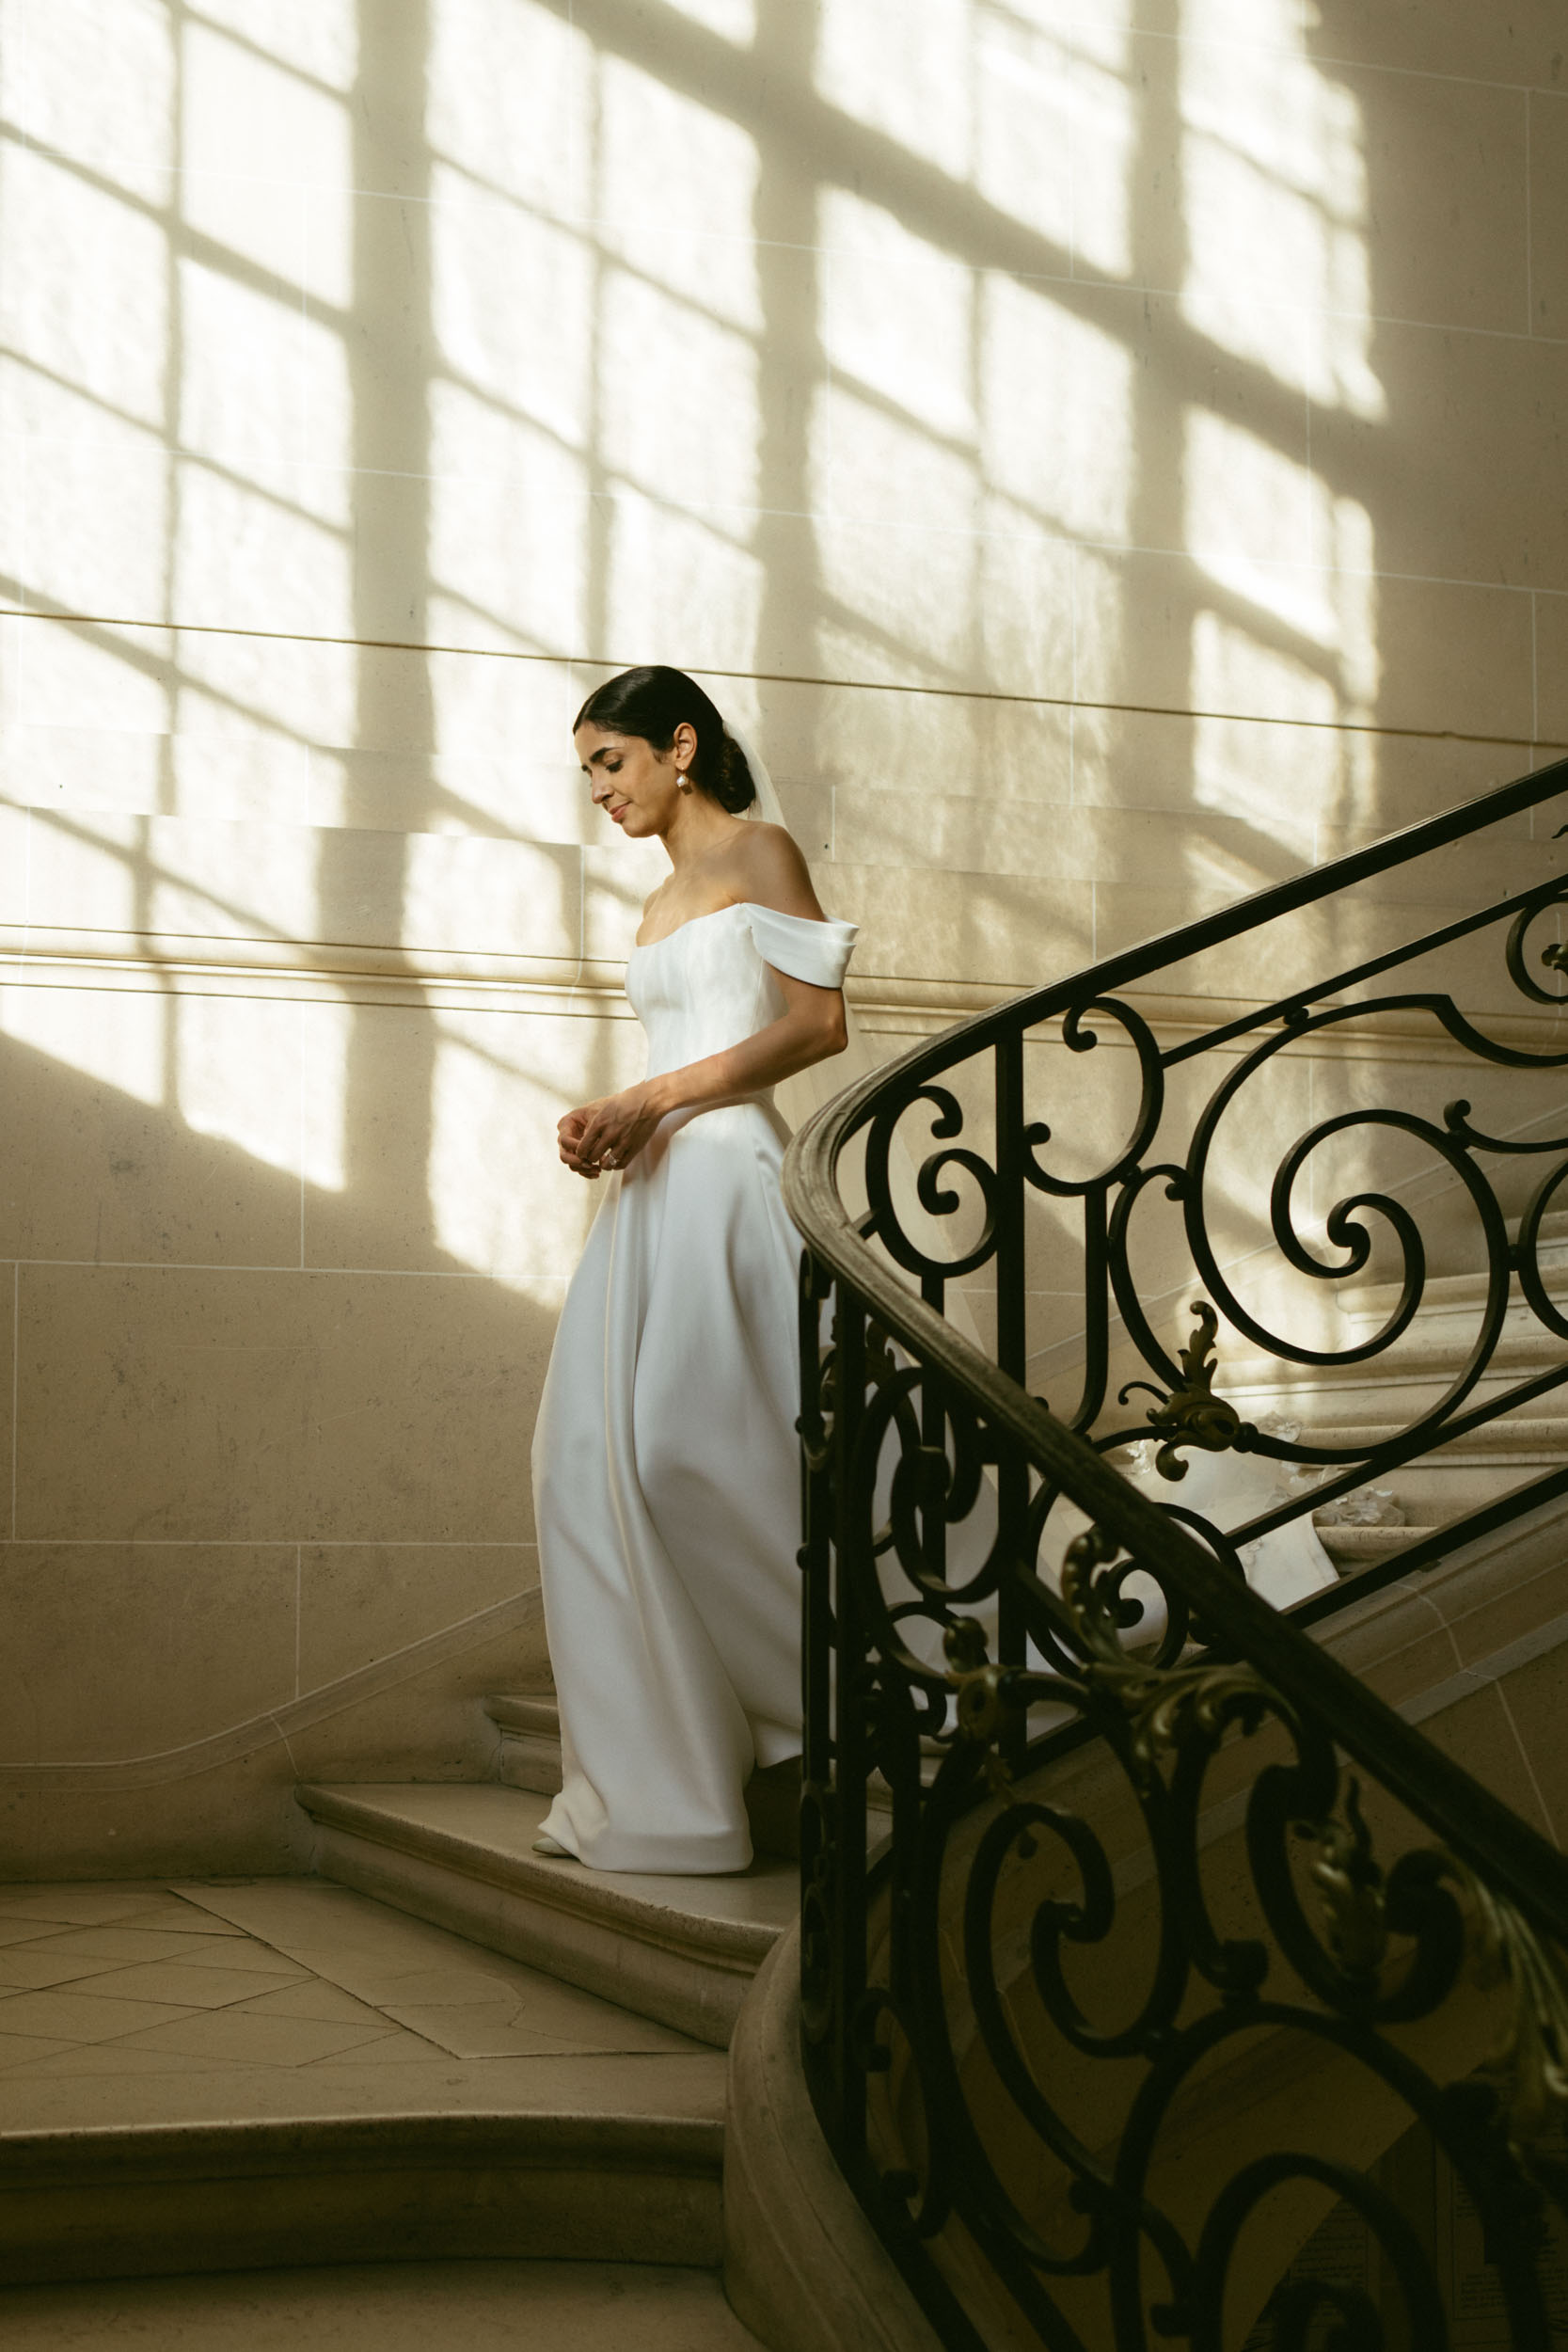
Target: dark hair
[(653, 703)]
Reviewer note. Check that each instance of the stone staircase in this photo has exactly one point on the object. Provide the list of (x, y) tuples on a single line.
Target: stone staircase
[(682, 1951), (1365, 1403), (477, 2173)]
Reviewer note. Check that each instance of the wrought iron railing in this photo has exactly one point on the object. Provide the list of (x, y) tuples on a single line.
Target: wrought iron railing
[(1135, 1928)]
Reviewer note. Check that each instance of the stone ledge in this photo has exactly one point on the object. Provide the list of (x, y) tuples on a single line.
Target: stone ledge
[(598, 2158), (682, 1951)]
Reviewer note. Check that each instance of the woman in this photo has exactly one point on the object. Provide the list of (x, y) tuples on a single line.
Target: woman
[(665, 1470)]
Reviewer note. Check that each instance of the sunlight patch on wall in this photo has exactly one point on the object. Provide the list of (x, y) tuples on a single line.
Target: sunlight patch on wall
[(458, 896), (246, 560), (237, 1073), (327, 1035), (1329, 602), (1240, 219), (676, 197), (81, 871), (897, 314), (1346, 546), (507, 98), (261, 687), (1246, 500), (1275, 179), (732, 19), (245, 111), (1342, 372), (113, 1035), (1233, 671), (1064, 445), (912, 595), (98, 679), (512, 300), (509, 528), (1284, 780), (83, 114), (677, 398), (214, 880), (1025, 103), (1104, 123), (499, 1200), (1100, 30), (1024, 601), (102, 330), (497, 714), (97, 520), (319, 37), (674, 582), (255, 141), (865, 463), (263, 387), (904, 72)]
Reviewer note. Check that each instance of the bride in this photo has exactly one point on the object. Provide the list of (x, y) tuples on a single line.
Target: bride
[(666, 1476)]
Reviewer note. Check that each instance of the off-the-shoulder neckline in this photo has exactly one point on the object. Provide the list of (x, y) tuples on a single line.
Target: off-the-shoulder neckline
[(736, 906)]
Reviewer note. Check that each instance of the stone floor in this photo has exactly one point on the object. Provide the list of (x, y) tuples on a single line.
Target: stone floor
[(406, 2307), (122, 2003), (273, 1973)]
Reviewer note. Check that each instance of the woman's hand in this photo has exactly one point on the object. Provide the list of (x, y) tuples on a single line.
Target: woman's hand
[(610, 1133)]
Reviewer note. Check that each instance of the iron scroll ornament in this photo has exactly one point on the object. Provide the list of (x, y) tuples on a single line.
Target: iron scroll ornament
[(1347, 1956), (945, 1670), (1113, 1197)]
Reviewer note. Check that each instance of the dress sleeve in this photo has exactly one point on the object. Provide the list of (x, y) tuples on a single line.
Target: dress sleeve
[(807, 950)]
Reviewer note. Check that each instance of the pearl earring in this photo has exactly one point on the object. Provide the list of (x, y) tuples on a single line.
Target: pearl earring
[(682, 781)]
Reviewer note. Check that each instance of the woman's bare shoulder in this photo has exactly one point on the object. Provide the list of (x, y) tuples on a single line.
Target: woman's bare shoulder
[(765, 868)]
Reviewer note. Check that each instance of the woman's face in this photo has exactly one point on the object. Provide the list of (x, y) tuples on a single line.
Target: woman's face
[(634, 784)]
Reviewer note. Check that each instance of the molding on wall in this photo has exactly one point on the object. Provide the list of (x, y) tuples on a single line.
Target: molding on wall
[(519, 1613), (165, 963)]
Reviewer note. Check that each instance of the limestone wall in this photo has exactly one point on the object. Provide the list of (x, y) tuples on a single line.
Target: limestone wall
[(1111, 453)]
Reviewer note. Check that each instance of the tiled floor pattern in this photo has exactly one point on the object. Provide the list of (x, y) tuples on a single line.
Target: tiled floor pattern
[(162, 1979), (404, 2307)]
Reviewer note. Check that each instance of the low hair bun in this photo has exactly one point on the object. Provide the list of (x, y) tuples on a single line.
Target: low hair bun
[(653, 701), (731, 781)]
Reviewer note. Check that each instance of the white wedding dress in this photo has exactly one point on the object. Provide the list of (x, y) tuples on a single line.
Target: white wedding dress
[(666, 1471)]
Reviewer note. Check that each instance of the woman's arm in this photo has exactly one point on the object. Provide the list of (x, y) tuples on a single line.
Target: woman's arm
[(610, 1132)]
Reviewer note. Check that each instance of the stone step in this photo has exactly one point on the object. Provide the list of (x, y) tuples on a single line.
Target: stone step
[(530, 1727), (594, 2156), (1355, 1547), (1371, 1303), (486, 2306), (1449, 1313), (230, 2074), (1412, 1363), (682, 1951), (1499, 1456)]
